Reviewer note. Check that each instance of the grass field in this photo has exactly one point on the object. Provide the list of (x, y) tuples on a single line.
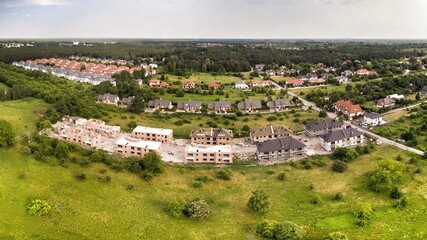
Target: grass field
[(199, 120), (92, 209), (204, 78)]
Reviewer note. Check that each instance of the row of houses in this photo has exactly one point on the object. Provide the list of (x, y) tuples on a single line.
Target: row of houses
[(248, 106), (114, 100), (76, 76)]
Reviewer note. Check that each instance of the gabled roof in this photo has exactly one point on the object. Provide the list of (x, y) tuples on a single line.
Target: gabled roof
[(373, 115), (279, 144), (249, 104), (213, 132), (279, 130), (219, 104), (279, 102), (189, 104), (159, 103), (341, 134), (348, 107), (385, 101), (108, 97), (323, 124)]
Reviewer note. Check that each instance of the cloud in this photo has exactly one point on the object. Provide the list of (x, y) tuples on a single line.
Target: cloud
[(29, 15), (31, 3)]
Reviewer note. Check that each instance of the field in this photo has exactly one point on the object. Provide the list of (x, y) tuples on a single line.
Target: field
[(199, 120), (204, 78), (92, 209)]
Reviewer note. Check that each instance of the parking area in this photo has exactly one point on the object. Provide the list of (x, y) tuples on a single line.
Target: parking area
[(313, 145)]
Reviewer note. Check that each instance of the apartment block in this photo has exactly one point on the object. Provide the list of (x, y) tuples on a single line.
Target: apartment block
[(153, 134), (208, 154), (132, 147)]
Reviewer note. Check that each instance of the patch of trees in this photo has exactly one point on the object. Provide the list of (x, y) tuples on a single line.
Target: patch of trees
[(285, 230), (196, 209), (386, 175), (7, 136)]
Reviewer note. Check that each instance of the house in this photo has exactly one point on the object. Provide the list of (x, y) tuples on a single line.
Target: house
[(208, 154), (188, 84), (348, 109), (365, 72), (317, 81), (241, 85), (372, 118), (396, 96), (347, 73), (189, 106), (108, 99), (279, 104), (99, 126), (213, 136), (153, 134), (219, 106), (214, 85), (249, 106), (295, 82), (259, 67), (154, 83), (342, 79), (270, 72), (308, 77), (341, 138), (321, 127), (280, 73), (132, 147), (160, 104), (385, 102), (423, 92), (126, 101), (261, 83), (78, 135), (327, 75), (280, 149), (267, 133)]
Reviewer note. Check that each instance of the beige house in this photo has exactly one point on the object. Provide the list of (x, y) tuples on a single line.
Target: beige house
[(208, 154), (268, 133), (153, 134), (99, 126), (79, 136), (213, 136), (132, 147), (108, 99)]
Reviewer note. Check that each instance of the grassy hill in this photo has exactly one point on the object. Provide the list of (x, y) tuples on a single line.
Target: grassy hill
[(94, 209)]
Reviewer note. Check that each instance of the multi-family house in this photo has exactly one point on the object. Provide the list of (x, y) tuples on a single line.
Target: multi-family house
[(279, 105), (321, 127), (161, 135), (132, 147), (295, 82), (160, 104), (219, 106), (219, 154), (213, 136), (270, 132), (280, 149), (261, 83), (108, 99), (249, 106), (346, 137), (348, 109), (241, 85), (189, 106), (99, 126), (373, 119), (125, 102)]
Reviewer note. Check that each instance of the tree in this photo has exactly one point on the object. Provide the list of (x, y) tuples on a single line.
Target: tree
[(344, 154), (39, 207), (259, 202), (197, 209), (396, 193), (323, 113), (266, 228), (336, 236), (132, 124), (418, 96), (152, 163), (386, 175), (363, 212), (288, 231), (339, 166), (61, 150), (6, 134), (137, 104)]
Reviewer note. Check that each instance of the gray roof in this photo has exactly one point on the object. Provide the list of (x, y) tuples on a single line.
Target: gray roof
[(249, 104), (219, 105), (279, 144), (213, 132), (424, 89), (189, 104), (341, 134), (284, 102), (373, 115), (128, 100), (159, 103), (270, 130), (385, 101), (109, 97), (323, 124)]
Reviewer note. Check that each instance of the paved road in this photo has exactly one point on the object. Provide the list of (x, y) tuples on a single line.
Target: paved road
[(383, 139), (403, 108)]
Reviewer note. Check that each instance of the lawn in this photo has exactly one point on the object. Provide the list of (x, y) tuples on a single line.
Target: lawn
[(204, 78), (93, 209)]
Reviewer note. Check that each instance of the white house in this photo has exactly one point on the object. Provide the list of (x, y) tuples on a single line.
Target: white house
[(396, 96), (241, 85), (341, 138), (373, 119)]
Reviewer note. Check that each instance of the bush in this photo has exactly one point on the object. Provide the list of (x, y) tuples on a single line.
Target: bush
[(401, 203), (316, 200), (224, 174), (6, 134), (338, 196), (339, 166), (396, 193), (152, 163), (197, 209), (288, 230), (38, 207), (196, 184), (386, 175), (81, 176), (344, 154), (266, 228), (271, 118), (363, 213), (177, 208), (282, 176), (204, 178), (323, 114), (259, 202), (336, 236)]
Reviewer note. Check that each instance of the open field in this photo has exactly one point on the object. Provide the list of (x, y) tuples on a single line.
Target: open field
[(205, 78), (396, 115), (199, 120), (341, 87)]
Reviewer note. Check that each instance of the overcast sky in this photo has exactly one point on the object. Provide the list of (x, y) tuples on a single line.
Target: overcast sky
[(402, 19)]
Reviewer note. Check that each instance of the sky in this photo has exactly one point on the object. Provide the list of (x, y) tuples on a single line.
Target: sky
[(253, 19)]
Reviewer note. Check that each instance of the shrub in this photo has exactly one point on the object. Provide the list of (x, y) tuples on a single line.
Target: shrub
[(39, 207), (338, 196), (396, 193), (6, 134), (282, 176), (401, 203), (344, 154), (152, 162), (204, 178), (196, 184), (316, 200), (266, 228), (81, 176), (288, 230), (336, 236), (323, 114), (130, 187), (259, 202), (197, 209), (339, 166), (363, 213), (177, 208), (271, 118), (385, 175), (270, 172), (224, 174)]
